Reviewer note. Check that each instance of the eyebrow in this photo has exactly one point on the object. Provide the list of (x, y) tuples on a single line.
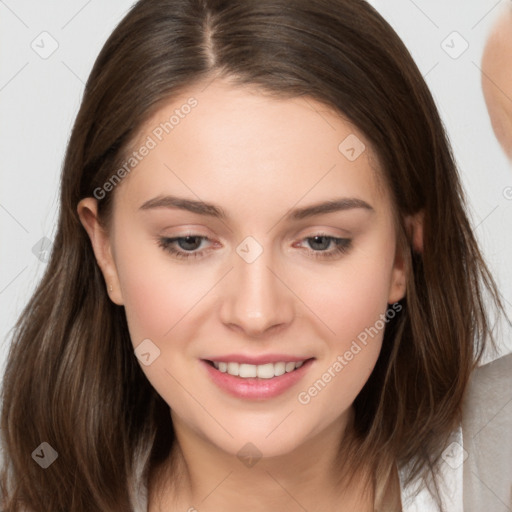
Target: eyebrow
[(202, 208)]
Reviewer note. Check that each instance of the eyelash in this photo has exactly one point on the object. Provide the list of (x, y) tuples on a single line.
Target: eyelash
[(342, 245)]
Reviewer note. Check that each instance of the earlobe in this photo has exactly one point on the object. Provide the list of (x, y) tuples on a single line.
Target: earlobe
[(101, 244)]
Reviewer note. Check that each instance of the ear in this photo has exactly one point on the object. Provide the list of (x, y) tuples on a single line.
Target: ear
[(398, 284), (414, 229), (101, 244)]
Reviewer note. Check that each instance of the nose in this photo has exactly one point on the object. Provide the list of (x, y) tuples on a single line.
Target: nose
[(256, 299)]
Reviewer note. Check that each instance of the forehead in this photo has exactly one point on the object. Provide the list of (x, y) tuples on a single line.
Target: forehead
[(219, 141)]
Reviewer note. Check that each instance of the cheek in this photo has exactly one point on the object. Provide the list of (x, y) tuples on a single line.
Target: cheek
[(352, 297), (157, 292), (353, 306)]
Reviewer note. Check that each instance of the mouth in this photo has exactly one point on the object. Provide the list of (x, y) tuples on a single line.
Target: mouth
[(256, 382)]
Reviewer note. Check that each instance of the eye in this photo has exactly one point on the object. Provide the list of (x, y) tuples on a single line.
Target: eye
[(320, 244), (187, 246)]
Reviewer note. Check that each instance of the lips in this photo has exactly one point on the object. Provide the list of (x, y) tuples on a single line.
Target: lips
[(257, 388)]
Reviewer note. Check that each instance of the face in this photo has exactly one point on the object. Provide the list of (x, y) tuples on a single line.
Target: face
[(219, 250), (497, 79)]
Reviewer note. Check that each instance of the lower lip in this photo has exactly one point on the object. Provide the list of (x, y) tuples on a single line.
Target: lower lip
[(254, 388)]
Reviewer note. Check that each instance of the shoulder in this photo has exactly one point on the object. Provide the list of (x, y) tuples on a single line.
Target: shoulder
[(487, 438), (475, 473), (489, 396)]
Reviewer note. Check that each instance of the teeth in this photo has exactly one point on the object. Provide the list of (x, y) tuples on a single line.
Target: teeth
[(262, 371), (290, 366)]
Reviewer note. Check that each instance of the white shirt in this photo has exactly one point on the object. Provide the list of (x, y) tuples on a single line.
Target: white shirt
[(476, 471), (451, 478)]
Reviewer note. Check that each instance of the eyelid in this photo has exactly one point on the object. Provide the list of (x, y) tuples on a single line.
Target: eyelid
[(324, 230)]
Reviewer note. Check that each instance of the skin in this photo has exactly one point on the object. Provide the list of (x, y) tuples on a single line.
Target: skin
[(256, 157), (497, 79)]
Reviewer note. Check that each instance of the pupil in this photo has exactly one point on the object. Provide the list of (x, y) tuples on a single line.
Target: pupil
[(187, 241), (324, 245)]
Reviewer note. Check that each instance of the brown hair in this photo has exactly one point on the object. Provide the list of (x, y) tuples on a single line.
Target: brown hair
[(72, 379)]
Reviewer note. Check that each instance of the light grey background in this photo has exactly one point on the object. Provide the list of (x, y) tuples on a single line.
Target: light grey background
[(40, 95)]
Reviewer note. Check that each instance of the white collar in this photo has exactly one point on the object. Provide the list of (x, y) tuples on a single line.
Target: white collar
[(417, 498)]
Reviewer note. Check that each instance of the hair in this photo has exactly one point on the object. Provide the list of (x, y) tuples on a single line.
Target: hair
[(72, 379)]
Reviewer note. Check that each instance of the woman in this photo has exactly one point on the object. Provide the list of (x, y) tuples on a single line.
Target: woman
[(264, 290)]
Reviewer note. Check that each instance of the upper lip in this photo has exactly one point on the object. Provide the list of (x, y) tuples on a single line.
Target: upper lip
[(257, 360)]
